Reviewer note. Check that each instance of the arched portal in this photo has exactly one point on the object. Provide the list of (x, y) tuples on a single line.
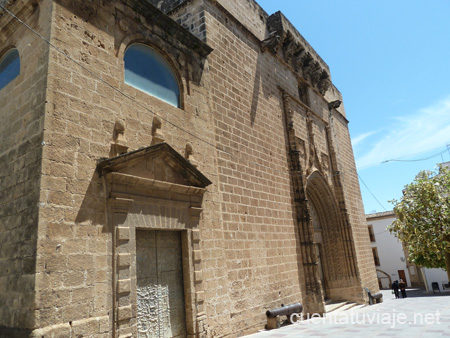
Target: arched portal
[(329, 239), (385, 282)]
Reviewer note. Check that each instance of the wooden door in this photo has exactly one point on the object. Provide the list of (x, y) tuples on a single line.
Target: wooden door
[(401, 275), (160, 287)]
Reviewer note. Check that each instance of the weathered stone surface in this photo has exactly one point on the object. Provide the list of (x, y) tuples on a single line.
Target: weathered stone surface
[(256, 174)]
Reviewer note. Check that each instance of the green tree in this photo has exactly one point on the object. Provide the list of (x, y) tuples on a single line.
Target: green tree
[(423, 219)]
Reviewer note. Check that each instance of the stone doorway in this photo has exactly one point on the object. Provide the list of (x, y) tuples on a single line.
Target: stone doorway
[(319, 250), (159, 284), (154, 199), (332, 236), (321, 274)]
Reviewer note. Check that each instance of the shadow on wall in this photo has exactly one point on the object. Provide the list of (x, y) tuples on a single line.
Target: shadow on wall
[(261, 62), (14, 333), (19, 212), (93, 206), (255, 94)]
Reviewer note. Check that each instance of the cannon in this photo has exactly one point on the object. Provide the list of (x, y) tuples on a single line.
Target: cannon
[(288, 310), (374, 298)]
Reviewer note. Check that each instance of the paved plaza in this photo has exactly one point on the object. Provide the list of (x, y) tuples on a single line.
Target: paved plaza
[(418, 315)]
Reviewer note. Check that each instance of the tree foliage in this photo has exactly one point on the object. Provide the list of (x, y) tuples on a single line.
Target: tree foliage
[(423, 219)]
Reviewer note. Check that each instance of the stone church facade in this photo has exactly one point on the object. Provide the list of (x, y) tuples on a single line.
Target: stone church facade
[(184, 212)]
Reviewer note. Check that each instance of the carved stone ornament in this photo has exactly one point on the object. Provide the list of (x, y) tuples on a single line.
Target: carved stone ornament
[(324, 82), (313, 159), (315, 71), (291, 48), (119, 145), (189, 154), (119, 131), (288, 110), (157, 134), (302, 150), (272, 43), (325, 164), (296, 52)]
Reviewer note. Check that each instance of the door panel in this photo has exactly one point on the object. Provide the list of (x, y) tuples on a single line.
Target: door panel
[(401, 275), (160, 296)]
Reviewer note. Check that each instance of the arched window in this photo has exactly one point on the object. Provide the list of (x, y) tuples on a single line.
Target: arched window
[(147, 70), (9, 67)]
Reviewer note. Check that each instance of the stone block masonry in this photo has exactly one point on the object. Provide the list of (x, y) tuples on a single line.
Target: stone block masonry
[(21, 136), (253, 174)]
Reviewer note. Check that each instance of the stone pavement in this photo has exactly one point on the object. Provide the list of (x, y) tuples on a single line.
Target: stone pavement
[(418, 315)]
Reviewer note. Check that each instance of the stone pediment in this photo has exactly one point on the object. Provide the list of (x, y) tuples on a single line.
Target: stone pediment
[(156, 163)]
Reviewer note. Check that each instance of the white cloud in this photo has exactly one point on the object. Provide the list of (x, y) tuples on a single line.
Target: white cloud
[(358, 139), (427, 129)]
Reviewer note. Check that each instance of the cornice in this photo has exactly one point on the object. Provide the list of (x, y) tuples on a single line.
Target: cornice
[(171, 28), (23, 9), (286, 44), (300, 103)]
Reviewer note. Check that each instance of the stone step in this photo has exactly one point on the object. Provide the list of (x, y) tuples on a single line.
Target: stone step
[(358, 306), (334, 306), (343, 306), (347, 306)]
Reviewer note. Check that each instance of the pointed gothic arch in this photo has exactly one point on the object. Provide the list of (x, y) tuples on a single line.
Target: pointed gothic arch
[(328, 237)]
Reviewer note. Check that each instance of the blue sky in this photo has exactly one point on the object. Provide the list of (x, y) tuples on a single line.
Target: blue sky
[(391, 62)]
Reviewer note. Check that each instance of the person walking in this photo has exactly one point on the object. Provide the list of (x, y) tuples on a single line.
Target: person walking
[(395, 288), (402, 287)]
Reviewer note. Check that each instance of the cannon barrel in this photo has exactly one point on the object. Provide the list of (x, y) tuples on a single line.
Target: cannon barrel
[(285, 310), (378, 297)]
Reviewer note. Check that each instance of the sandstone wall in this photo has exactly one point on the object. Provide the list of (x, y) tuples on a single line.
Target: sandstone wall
[(192, 18), (260, 261), (233, 113), (74, 267), (249, 103), (22, 111), (249, 14)]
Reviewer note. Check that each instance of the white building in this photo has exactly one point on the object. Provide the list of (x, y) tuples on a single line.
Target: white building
[(391, 261)]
